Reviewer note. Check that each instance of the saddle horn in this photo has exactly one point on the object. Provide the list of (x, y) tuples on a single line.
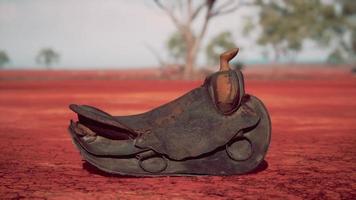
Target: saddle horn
[(226, 57)]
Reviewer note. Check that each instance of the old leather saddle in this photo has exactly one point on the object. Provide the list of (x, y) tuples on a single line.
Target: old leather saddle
[(215, 129)]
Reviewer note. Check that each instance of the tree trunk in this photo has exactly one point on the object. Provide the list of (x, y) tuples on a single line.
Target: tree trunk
[(184, 26), (191, 54), (190, 61)]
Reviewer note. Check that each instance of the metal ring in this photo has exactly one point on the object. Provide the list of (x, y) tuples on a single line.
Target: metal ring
[(158, 163), (240, 149)]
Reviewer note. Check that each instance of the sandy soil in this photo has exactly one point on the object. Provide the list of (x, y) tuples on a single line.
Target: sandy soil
[(312, 153)]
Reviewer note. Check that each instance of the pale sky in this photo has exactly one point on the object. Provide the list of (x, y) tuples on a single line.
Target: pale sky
[(106, 34)]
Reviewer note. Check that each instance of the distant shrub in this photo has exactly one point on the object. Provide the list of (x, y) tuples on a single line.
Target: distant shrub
[(237, 66)]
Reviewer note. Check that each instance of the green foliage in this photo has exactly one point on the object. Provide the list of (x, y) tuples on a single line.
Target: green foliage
[(4, 58), (47, 56), (287, 24), (220, 43), (176, 46), (336, 57), (337, 27)]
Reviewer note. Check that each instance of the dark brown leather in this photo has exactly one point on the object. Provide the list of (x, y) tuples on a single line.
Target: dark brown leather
[(191, 135), (145, 162)]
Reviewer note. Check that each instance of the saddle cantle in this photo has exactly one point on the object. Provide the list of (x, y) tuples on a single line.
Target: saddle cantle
[(215, 129)]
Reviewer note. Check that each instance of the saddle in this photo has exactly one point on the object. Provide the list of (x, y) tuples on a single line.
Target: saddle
[(215, 129)]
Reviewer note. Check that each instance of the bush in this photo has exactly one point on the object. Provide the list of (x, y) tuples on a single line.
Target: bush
[(237, 66)]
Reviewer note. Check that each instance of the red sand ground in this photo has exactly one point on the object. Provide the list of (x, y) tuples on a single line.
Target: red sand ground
[(312, 153)]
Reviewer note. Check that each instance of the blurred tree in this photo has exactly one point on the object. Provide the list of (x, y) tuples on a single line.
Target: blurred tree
[(47, 56), (336, 57), (336, 27), (156, 54), (220, 43), (184, 13), (176, 47), (4, 58), (286, 25)]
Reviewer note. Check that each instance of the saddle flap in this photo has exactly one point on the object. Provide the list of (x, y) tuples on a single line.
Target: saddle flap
[(95, 115)]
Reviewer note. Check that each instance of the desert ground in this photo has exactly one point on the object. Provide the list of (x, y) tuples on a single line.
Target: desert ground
[(312, 154)]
